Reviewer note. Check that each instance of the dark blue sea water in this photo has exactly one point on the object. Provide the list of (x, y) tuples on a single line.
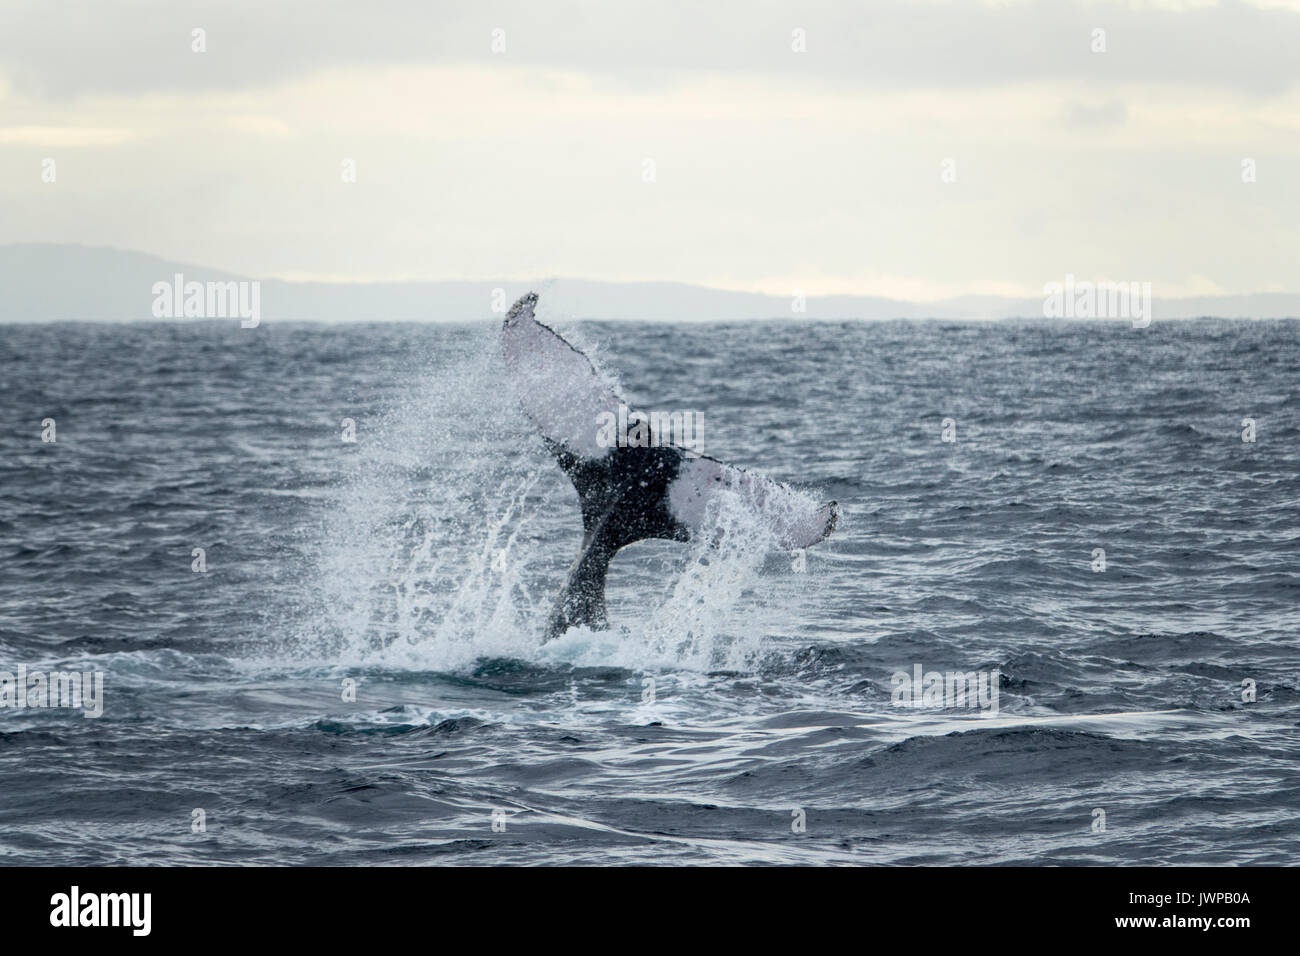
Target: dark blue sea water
[(420, 560)]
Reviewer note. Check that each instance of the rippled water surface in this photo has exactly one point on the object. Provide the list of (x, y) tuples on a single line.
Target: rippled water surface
[(733, 696)]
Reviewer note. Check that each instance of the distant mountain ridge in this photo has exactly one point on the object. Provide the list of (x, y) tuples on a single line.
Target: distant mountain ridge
[(50, 282)]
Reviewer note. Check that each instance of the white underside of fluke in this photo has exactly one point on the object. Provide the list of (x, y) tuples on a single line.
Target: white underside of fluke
[(565, 398), (557, 385)]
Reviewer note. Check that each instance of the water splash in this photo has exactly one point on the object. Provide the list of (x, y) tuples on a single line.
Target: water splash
[(441, 549), (424, 558), (714, 615)]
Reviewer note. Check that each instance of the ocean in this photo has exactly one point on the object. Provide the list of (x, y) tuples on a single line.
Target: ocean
[(311, 565)]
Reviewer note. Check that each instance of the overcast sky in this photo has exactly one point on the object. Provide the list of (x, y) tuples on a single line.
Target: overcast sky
[(773, 170)]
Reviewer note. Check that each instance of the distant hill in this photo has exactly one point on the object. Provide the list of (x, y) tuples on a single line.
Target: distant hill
[(53, 282)]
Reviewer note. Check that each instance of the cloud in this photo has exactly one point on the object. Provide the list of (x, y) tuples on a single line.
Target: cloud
[(90, 46), (1110, 113), (819, 170), (69, 137)]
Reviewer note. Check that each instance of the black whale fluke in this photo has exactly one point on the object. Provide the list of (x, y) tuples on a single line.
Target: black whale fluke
[(624, 498), (627, 494)]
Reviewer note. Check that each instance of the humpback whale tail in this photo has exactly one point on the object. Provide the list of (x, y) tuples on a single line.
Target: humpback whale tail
[(630, 492)]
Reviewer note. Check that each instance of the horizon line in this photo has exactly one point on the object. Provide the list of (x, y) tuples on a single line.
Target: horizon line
[(539, 282)]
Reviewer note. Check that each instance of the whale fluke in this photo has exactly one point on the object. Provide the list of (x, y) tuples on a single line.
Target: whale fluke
[(627, 493)]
